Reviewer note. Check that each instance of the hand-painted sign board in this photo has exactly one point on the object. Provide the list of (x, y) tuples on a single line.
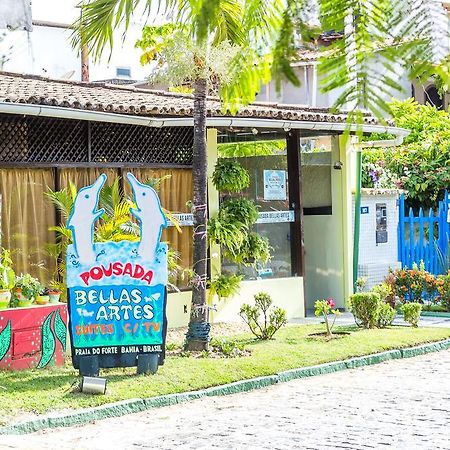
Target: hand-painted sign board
[(33, 337), (117, 290)]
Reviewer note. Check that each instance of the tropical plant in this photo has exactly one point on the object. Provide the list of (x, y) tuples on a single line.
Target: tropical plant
[(30, 286), (365, 307), (272, 318), (325, 308), (229, 235), (421, 165), (384, 290), (225, 285), (386, 315), (254, 249), (239, 210), (443, 287), (411, 313), (230, 176), (7, 274)]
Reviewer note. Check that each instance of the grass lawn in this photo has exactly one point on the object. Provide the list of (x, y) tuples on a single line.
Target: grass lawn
[(38, 391)]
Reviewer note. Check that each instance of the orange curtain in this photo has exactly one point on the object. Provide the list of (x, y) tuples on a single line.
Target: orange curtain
[(175, 190), (26, 215)]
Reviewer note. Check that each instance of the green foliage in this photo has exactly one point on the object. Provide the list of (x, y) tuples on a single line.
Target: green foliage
[(255, 148), (411, 313), (272, 319), (254, 249), (414, 284), (384, 290), (31, 287), (230, 176), (443, 287), (230, 348), (225, 285), (239, 210), (7, 275), (230, 236), (376, 37), (386, 315), (325, 308), (365, 306), (422, 164)]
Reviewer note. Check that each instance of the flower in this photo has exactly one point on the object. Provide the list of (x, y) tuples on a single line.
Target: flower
[(330, 302)]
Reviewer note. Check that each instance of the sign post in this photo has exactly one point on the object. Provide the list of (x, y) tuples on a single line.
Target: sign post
[(117, 290)]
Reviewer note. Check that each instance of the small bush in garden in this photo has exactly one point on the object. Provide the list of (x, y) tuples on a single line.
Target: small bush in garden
[(385, 292), (386, 315), (360, 284), (411, 313), (272, 319), (365, 307), (413, 284), (325, 308), (443, 287), (229, 348)]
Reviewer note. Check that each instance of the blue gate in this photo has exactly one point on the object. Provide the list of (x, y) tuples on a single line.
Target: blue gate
[(425, 237)]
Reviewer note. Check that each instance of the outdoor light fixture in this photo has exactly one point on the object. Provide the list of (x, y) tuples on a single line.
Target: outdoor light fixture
[(93, 385), (254, 131), (337, 165)]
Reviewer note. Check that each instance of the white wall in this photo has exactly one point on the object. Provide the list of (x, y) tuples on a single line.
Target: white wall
[(47, 50), (375, 259)]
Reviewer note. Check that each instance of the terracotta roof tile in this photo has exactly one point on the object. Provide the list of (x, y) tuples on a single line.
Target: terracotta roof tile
[(30, 89)]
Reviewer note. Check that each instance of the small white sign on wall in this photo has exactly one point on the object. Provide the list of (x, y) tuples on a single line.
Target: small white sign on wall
[(275, 185)]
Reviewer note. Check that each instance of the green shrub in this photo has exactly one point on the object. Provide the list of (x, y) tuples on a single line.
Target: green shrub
[(386, 315), (254, 249), (230, 176), (411, 313), (239, 210), (229, 348), (271, 321), (225, 285), (365, 307)]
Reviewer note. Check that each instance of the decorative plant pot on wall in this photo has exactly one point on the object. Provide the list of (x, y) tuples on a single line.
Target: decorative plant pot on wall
[(42, 299), (5, 298), (54, 296), (22, 301)]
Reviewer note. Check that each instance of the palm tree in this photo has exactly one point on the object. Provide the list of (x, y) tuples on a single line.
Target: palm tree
[(268, 32), (208, 25)]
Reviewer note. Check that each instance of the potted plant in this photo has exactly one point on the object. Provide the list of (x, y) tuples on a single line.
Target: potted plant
[(26, 289), (6, 279), (54, 294), (43, 297)]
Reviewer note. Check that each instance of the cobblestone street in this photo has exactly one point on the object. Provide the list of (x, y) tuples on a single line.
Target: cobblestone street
[(403, 404)]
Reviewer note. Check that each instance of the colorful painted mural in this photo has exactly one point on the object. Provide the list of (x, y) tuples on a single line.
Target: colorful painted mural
[(33, 337), (117, 290)]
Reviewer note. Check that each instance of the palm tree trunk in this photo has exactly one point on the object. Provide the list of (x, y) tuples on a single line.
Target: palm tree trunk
[(197, 337)]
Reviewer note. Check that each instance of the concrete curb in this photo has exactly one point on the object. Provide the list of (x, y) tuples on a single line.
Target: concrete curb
[(117, 409)]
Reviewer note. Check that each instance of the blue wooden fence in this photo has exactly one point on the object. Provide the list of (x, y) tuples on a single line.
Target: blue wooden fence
[(424, 237)]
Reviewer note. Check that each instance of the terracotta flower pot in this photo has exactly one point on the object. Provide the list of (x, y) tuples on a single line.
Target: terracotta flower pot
[(54, 296)]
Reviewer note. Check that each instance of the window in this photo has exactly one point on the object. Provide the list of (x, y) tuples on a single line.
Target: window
[(123, 72), (266, 160)]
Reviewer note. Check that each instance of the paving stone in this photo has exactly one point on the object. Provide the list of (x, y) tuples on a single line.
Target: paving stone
[(398, 404)]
